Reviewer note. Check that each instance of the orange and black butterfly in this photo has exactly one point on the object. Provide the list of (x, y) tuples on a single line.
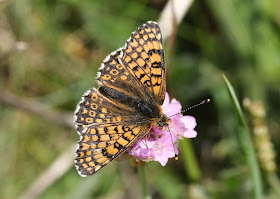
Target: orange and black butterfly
[(122, 110)]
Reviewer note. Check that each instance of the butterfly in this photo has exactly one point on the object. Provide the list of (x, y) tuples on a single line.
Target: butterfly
[(127, 102)]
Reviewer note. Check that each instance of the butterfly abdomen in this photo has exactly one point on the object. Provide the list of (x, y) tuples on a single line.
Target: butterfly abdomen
[(117, 95)]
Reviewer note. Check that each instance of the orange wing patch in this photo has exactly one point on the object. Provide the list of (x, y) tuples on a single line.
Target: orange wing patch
[(143, 56), (96, 109), (114, 75), (99, 145)]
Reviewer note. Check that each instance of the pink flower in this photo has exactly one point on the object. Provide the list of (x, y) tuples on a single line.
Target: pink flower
[(164, 149), (158, 145)]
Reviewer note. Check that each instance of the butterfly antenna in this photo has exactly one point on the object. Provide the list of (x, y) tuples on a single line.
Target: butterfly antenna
[(176, 155), (191, 107), (187, 109)]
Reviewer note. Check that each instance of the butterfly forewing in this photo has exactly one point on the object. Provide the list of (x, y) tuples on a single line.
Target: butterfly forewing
[(143, 56), (114, 75)]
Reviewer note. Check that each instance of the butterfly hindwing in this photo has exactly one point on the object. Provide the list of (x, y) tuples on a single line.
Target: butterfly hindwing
[(100, 144), (107, 129)]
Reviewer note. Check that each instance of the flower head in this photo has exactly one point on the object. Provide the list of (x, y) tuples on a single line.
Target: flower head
[(161, 144)]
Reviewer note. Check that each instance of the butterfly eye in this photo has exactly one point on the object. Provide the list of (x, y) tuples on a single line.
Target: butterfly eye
[(161, 124)]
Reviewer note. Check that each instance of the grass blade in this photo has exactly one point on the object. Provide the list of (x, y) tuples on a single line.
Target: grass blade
[(246, 144), (190, 162)]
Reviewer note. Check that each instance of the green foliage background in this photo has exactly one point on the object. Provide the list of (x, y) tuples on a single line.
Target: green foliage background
[(67, 41)]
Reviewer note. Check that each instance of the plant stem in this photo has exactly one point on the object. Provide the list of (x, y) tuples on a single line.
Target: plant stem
[(143, 181), (190, 161)]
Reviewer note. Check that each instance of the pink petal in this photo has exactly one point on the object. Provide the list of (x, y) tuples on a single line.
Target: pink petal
[(173, 108), (190, 134), (190, 124), (166, 100), (163, 161), (143, 149), (189, 121)]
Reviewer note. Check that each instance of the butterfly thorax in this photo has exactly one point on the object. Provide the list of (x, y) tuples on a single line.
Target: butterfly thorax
[(154, 112), (146, 108)]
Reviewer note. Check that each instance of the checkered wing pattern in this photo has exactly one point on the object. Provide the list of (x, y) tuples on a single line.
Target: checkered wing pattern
[(140, 61), (103, 143), (143, 57), (108, 118), (95, 109), (106, 130), (114, 75)]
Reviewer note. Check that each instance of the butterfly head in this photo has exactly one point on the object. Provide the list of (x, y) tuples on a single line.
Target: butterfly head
[(163, 121)]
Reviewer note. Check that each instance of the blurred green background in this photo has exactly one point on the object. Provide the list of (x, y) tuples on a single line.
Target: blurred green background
[(50, 52)]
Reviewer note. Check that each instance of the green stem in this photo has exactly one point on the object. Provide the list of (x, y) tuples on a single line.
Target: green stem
[(247, 144), (143, 181), (190, 161)]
